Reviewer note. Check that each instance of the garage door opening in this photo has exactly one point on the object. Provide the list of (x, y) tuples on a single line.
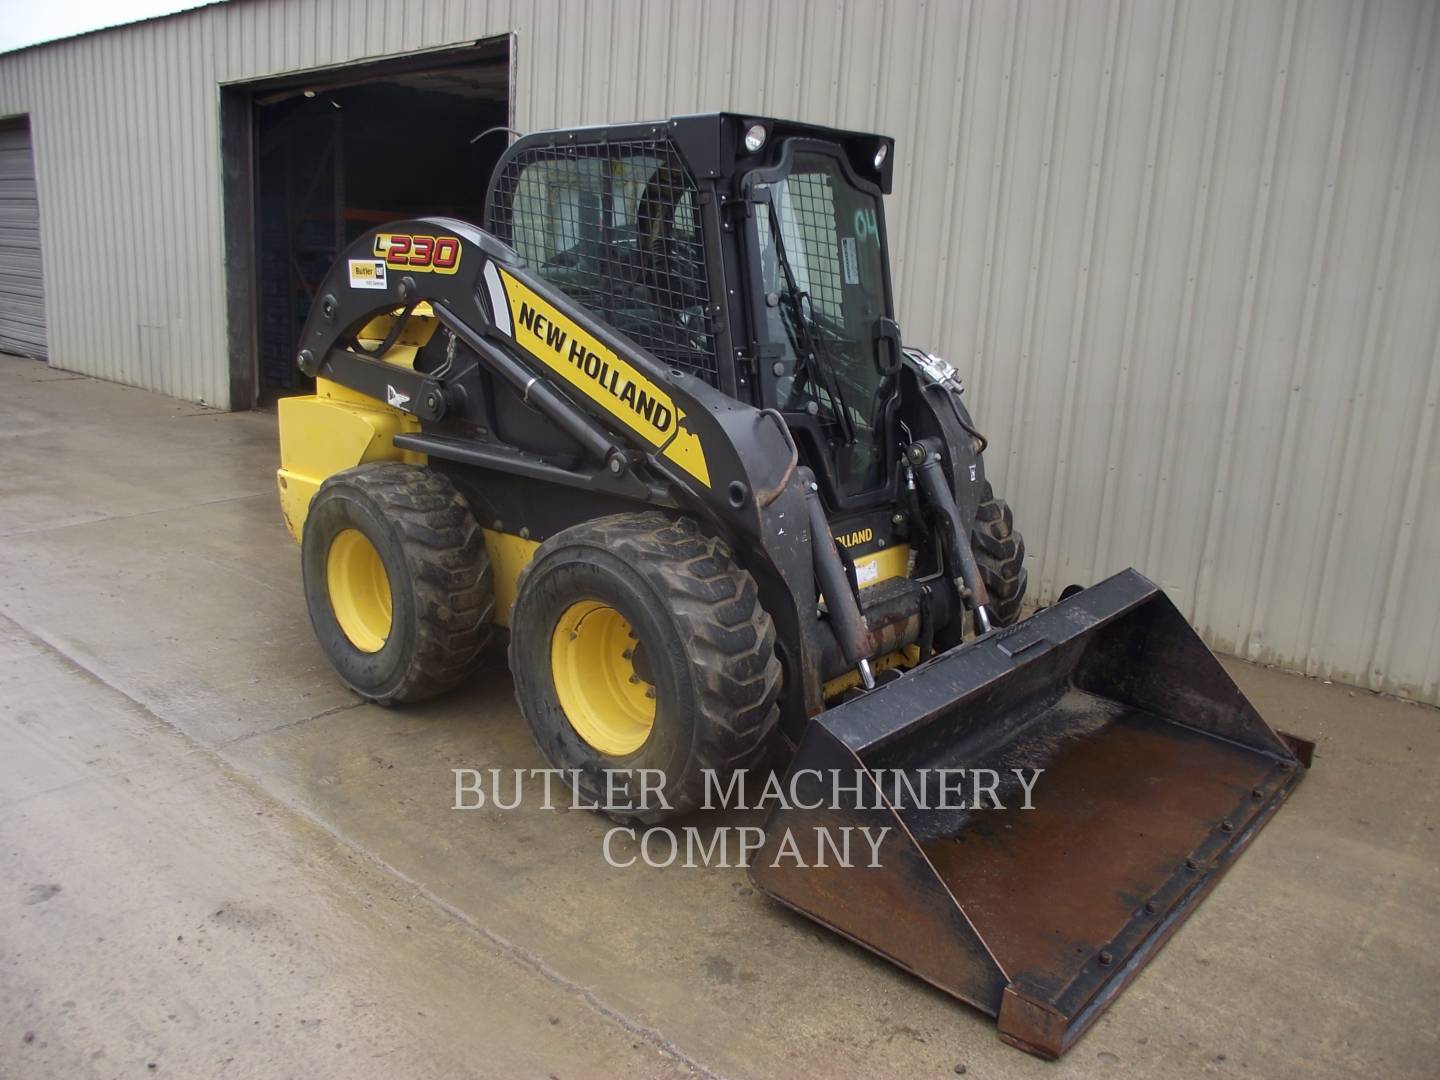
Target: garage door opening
[(331, 154), (22, 291)]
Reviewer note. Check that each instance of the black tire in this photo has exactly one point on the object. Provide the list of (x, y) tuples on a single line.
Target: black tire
[(1000, 553), (436, 567), (706, 646)]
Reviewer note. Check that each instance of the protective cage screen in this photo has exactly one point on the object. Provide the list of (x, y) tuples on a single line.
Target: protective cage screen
[(808, 227), (616, 227)]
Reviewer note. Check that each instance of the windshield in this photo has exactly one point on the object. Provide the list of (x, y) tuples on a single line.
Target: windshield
[(827, 272)]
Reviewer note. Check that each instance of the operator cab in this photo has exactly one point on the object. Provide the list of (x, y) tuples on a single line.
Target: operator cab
[(748, 252)]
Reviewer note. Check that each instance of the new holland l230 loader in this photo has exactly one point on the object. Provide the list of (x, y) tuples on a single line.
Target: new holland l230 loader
[(657, 420)]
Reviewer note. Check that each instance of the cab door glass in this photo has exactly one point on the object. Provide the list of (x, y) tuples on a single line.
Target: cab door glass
[(830, 242)]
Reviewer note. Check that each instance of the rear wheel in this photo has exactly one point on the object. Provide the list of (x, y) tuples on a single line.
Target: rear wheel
[(1000, 553), (397, 581), (637, 643)]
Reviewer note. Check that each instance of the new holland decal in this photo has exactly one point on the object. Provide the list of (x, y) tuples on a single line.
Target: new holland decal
[(610, 381)]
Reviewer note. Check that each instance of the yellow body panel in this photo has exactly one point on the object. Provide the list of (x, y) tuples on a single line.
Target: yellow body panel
[(415, 335), (871, 570), (509, 554), (338, 428), (882, 565), (334, 429)]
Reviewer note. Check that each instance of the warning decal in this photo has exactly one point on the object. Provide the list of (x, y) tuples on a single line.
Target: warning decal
[(850, 263)]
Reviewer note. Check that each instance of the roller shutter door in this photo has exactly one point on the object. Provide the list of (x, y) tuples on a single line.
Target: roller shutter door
[(22, 296)]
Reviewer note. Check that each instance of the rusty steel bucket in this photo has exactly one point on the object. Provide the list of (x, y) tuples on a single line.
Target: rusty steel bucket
[(1157, 774)]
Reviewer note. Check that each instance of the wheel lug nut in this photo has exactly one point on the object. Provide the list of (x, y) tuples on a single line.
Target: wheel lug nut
[(650, 692)]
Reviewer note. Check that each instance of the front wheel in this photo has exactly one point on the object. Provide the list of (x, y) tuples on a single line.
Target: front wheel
[(397, 581), (636, 642), (1000, 555)]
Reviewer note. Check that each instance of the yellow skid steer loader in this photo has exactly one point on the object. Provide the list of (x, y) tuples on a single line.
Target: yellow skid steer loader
[(656, 418)]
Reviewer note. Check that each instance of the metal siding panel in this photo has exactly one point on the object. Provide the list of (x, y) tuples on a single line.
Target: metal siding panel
[(652, 95), (1185, 253), (1330, 645), (994, 365), (1335, 82), (1398, 647), (1091, 243), (1174, 346), (711, 31), (1251, 308), (1338, 336), (137, 328), (564, 38), (969, 286), (1388, 390), (1047, 73), (1135, 272), (941, 29), (76, 128)]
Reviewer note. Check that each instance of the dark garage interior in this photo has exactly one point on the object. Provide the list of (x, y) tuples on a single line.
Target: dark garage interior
[(342, 151)]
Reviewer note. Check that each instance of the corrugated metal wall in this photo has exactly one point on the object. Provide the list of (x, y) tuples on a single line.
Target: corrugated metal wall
[(1187, 252)]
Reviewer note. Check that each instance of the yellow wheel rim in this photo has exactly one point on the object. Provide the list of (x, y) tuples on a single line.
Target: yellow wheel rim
[(359, 590), (592, 662)]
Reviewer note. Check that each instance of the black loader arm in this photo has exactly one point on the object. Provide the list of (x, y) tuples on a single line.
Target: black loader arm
[(653, 432)]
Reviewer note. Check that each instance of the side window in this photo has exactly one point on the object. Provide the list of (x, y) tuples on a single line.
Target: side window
[(617, 228)]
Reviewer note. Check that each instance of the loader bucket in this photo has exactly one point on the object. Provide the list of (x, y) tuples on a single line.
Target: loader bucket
[(1157, 773)]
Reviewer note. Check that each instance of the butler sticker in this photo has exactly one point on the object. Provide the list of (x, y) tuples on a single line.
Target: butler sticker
[(367, 274)]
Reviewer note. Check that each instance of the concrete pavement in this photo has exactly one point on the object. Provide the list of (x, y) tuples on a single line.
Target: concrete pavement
[(216, 861)]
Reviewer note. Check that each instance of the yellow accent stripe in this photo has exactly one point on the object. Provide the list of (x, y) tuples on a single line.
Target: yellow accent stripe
[(610, 381)]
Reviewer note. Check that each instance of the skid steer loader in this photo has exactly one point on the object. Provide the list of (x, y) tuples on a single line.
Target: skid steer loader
[(657, 419)]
